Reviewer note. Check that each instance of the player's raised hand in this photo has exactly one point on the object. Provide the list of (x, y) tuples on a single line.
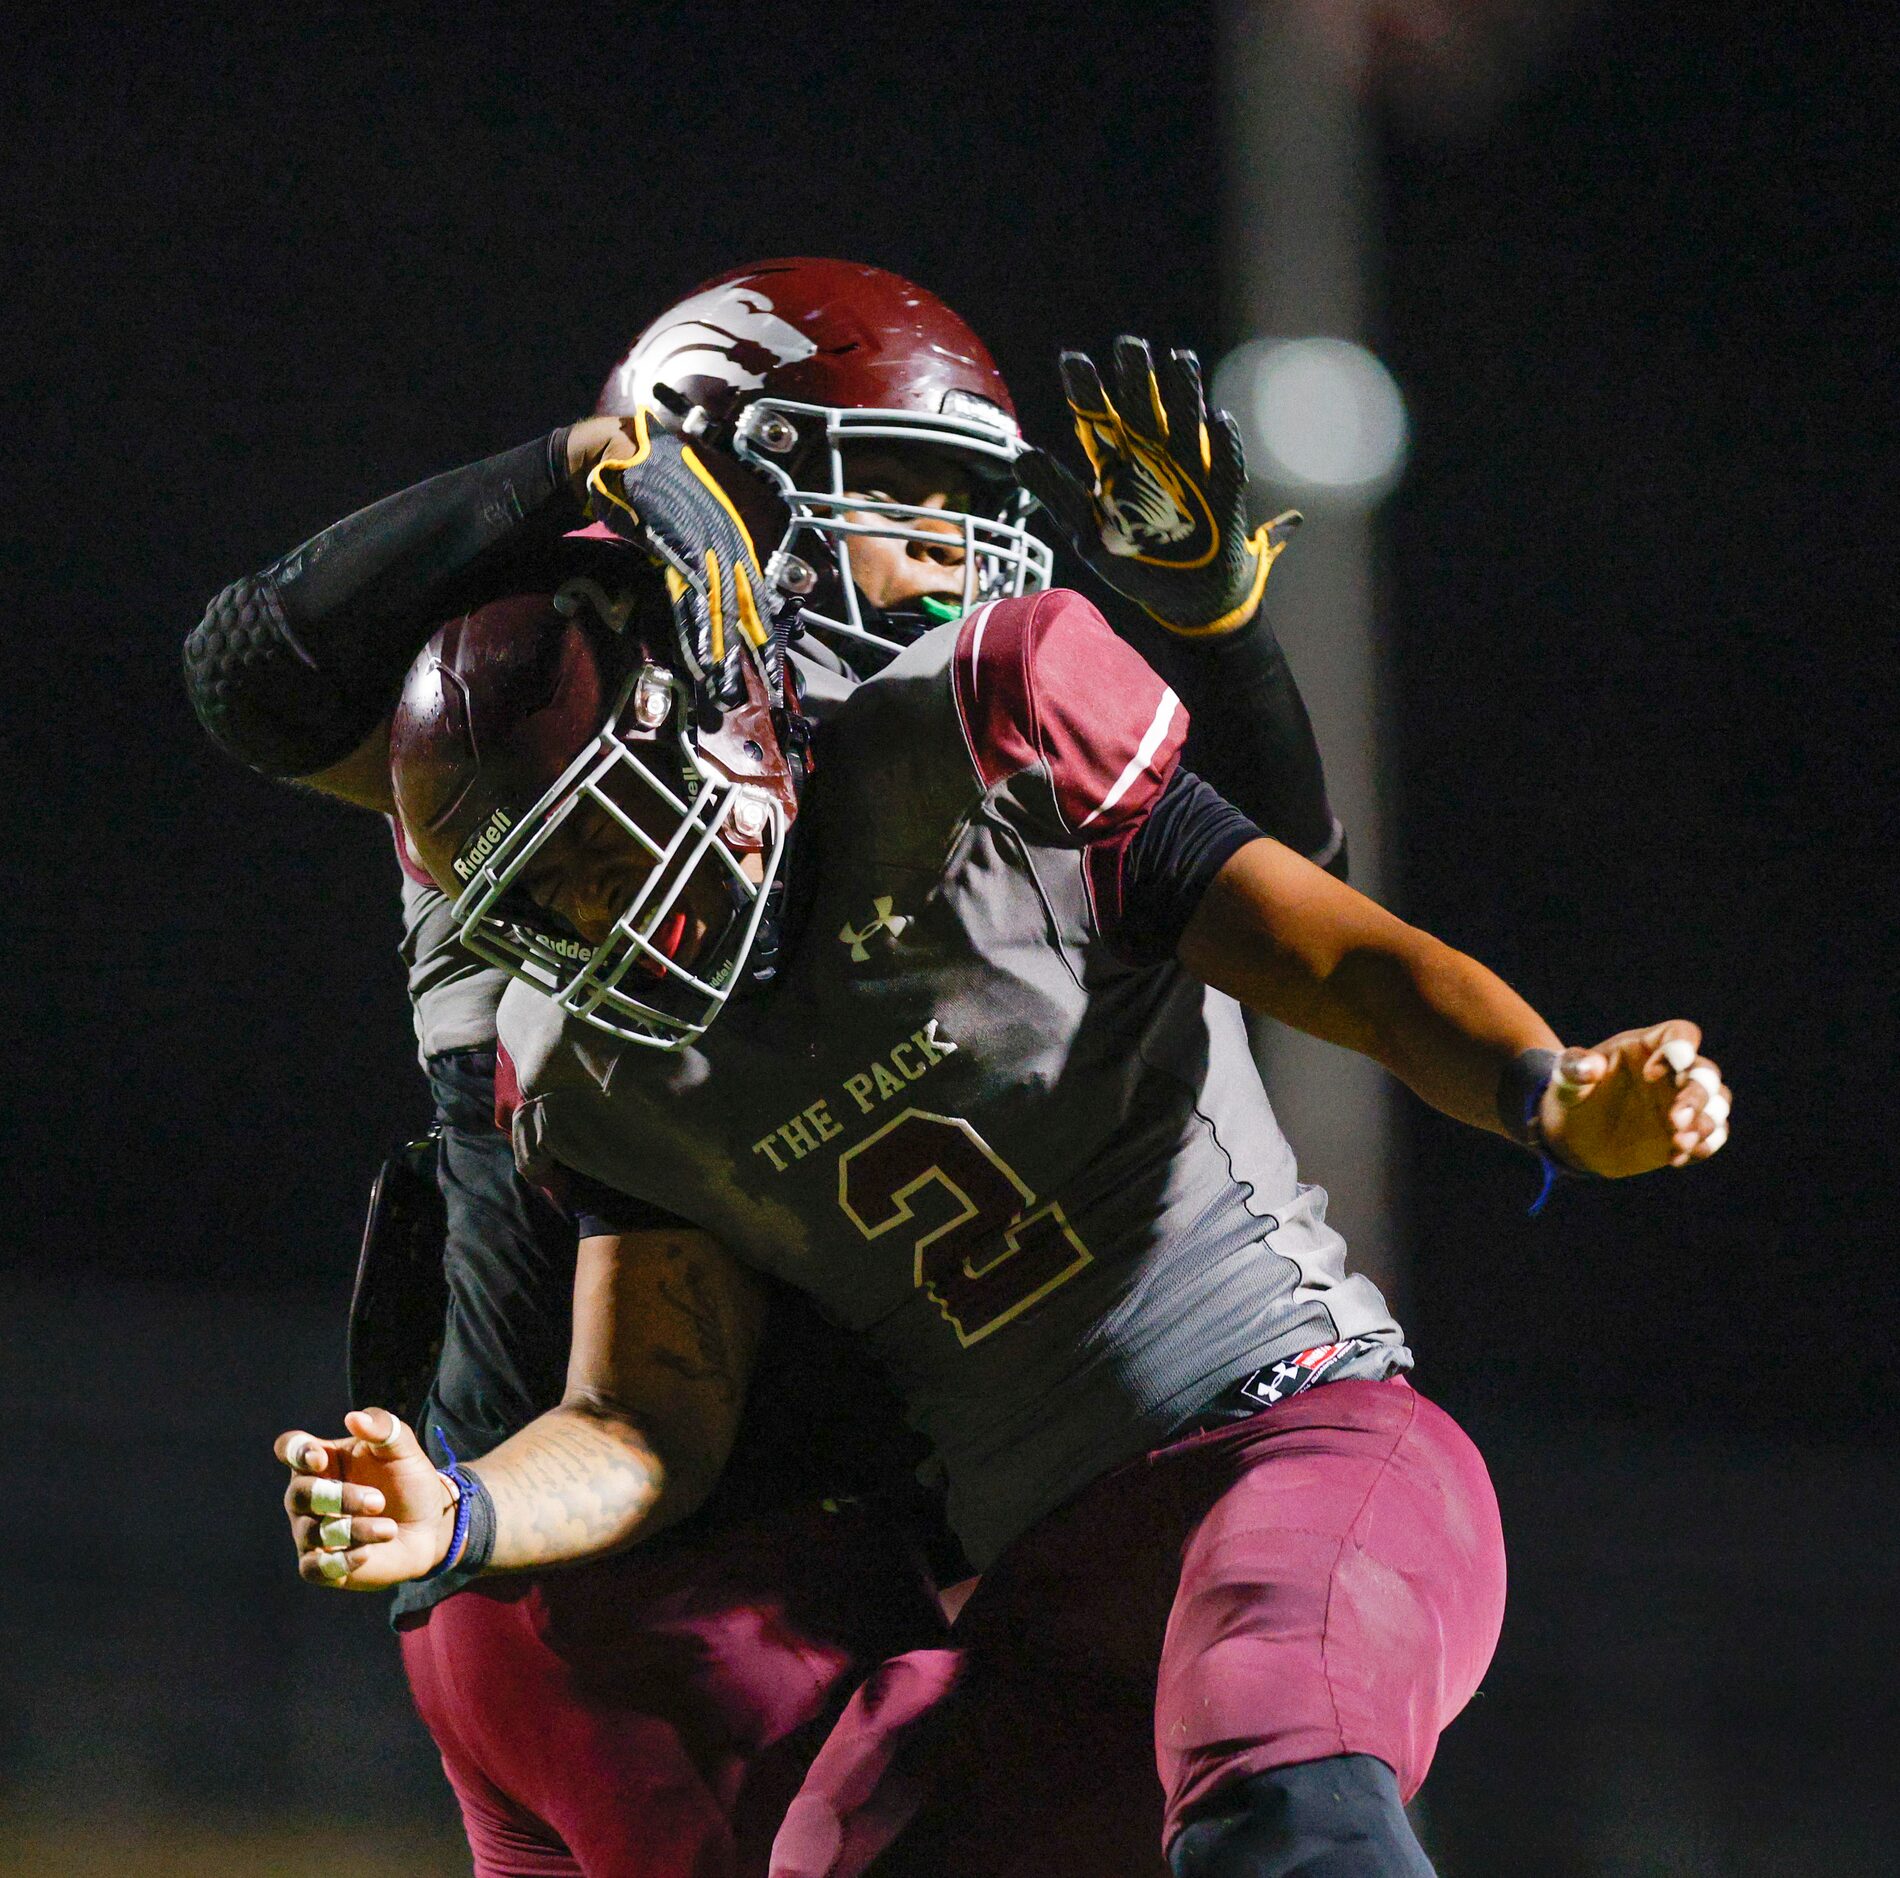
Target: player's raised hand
[(1643, 1099), (1165, 521), (367, 1511), (665, 499)]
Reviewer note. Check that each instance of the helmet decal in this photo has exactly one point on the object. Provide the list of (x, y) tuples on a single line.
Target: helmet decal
[(482, 843), (729, 335)]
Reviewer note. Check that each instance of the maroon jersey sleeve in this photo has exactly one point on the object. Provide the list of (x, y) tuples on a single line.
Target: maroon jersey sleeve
[(1069, 721), (1069, 729)]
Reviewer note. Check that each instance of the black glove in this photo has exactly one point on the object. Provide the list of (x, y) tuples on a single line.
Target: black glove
[(668, 502), (1166, 522)]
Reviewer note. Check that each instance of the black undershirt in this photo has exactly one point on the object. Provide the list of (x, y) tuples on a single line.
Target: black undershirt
[(1186, 838)]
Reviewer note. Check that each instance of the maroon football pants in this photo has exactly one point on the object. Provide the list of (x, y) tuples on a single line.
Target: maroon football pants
[(1324, 1578), (649, 1715)]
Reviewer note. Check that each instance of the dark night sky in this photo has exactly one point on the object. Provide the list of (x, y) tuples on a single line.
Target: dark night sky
[(268, 266)]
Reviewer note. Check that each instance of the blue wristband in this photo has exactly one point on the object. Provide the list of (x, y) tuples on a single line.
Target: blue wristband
[(464, 1505), (1554, 1171), (1520, 1103)]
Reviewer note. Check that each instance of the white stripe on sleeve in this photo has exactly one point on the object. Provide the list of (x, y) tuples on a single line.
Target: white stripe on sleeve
[(1150, 743), (978, 621)]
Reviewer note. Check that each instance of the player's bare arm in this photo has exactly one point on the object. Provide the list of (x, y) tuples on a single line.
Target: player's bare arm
[(665, 1327), (1288, 940)]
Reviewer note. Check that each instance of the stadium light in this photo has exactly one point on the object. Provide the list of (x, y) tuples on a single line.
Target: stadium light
[(1322, 418)]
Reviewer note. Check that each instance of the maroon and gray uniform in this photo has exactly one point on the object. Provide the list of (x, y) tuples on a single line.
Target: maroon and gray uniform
[(1040, 1178), (646, 1715), (560, 1703), (1043, 1183)]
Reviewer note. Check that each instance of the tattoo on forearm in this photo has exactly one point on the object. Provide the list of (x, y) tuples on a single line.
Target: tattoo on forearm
[(708, 1349), (583, 1478), (570, 1487)]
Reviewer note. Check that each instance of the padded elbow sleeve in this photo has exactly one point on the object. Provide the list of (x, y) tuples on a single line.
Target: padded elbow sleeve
[(260, 696), (291, 669)]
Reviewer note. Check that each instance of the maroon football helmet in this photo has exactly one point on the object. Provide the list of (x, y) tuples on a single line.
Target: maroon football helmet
[(518, 714), (791, 364)]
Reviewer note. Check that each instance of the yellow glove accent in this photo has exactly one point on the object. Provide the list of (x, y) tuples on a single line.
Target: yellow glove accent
[(715, 608), (1106, 440), (604, 485), (1266, 544), (1154, 404), (603, 480), (749, 621)]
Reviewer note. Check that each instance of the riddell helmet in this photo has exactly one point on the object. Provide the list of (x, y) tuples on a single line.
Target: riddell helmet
[(517, 715), (790, 364)]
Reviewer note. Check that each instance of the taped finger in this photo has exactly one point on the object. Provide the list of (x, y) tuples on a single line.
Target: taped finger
[(1569, 1082), (389, 1440), (313, 1500), (1679, 1053), (1715, 1140), (332, 1568), (333, 1535)]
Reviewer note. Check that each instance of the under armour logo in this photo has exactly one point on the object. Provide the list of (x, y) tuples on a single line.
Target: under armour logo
[(883, 920), (1270, 1388)]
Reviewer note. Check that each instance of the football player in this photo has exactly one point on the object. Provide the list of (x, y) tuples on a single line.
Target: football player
[(930, 524), (990, 1104)]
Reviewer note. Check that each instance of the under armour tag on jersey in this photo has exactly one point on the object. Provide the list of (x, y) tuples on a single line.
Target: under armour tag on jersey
[(882, 920)]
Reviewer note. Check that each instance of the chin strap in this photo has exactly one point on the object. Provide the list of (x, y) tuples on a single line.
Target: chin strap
[(779, 923)]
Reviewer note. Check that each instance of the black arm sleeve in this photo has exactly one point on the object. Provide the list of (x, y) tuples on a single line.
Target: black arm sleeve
[(1186, 839), (1250, 735), (291, 669)]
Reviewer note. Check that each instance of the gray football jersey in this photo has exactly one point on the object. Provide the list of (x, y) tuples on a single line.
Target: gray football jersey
[(1045, 1184), (453, 994)]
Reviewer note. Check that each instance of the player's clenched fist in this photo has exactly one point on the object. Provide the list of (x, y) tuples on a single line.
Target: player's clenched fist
[(367, 1511), (1643, 1099)]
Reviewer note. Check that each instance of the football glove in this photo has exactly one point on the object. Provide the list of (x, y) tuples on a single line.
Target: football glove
[(1165, 523), (668, 503)]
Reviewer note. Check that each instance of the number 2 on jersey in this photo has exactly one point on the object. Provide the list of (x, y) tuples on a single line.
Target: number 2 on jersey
[(996, 1254)]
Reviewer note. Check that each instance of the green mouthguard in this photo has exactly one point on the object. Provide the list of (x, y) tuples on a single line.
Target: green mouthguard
[(942, 611)]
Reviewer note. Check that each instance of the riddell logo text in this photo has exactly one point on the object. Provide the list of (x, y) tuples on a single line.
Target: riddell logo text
[(576, 951), (484, 844)]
